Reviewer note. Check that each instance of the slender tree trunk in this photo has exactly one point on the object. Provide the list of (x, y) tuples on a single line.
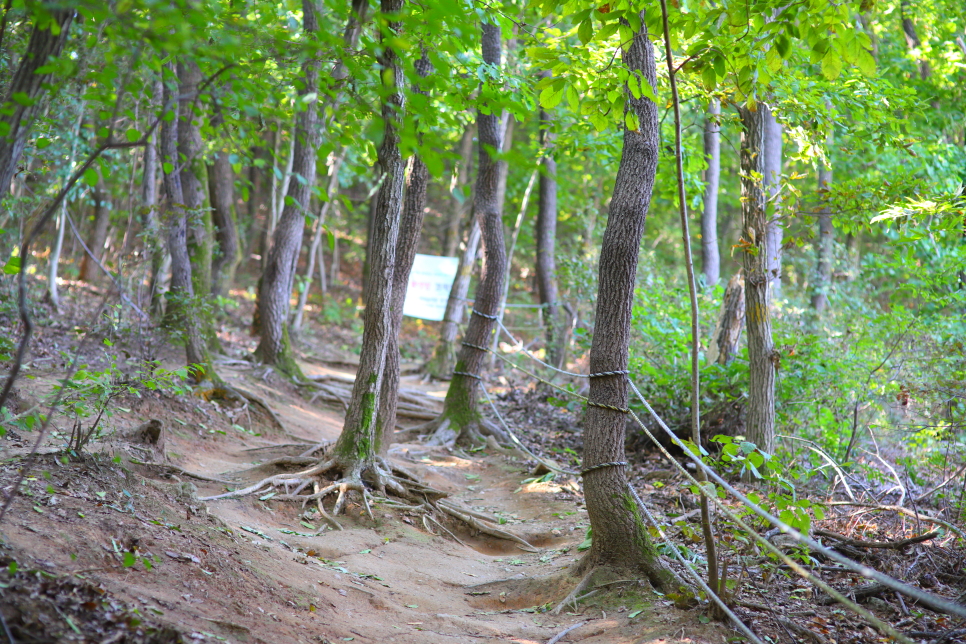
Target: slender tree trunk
[(258, 198), (723, 348), (461, 420), (912, 39), (102, 221), (413, 213), (546, 234), (181, 313), (30, 87), (194, 178), (149, 203), (772, 152), (710, 257), (359, 443), (276, 288), (620, 538), (52, 292), (462, 179), (760, 420), (823, 269), (221, 181)]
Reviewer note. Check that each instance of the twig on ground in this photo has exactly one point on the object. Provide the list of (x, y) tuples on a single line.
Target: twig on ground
[(877, 544), (559, 636), (901, 510), (182, 471)]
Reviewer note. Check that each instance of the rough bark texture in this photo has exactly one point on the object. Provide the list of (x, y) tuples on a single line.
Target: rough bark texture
[(413, 213), (710, 256), (180, 314), (760, 421), (149, 201), (727, 333), (620, 538), (452, 239), (546, 266), (772, 172), (43, 45), (194, 177), (359, 443), (461, 420), (823, 269), (276, 286), (98, 236), (226, 257)]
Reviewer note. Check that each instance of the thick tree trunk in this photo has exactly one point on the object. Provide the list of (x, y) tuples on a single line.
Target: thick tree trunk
[(620, 538), (29, 87), (452, 239), (823, 269), (461, 420), (760, 421), (221, 181), (194, 178), (723, 347), (276, 287), (772, 153), (413, 213), (710, 256), (359, 444), (98, 237), (181, 313), (546, 234)]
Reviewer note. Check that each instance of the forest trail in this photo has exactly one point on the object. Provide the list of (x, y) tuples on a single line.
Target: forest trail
[(250, 570)]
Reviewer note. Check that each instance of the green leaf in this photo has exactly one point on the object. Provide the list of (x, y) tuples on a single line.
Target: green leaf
[(550, 97), (831, 65), (90, 177), (167, 167), (42, 143), (866, 63), (585, 31), (773, 59), (709, 78), (132, 135), (129, 559), (12, 267)]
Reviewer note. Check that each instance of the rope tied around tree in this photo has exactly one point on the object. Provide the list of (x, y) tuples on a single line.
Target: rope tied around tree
[(601, 466), (484, 315)]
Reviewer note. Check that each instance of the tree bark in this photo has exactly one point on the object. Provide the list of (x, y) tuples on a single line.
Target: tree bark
[(102, 221), (452, 239), (710, 256), (276, 287), (410, 226), (823, 269), (912, 39), (194, 177), (46, 41), (760, 421), (52, 291), (181, 313), (359, 444), (221, 181), (149, 203), (723, 348), (772, 152), (546, 233), (620, 538), (461, 420)]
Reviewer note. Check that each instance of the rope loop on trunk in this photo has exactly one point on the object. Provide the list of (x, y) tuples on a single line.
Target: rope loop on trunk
[(601, 466)]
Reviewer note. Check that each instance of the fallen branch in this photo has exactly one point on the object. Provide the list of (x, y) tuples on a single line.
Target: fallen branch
[(182, 471), (559, 636), (902, 543), (901, 510)]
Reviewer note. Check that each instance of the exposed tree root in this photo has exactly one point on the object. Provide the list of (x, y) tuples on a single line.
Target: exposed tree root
[(371, 482), (444, 431)]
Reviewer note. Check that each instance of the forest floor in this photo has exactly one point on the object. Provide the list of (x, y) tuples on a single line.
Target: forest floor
[(106, 548)]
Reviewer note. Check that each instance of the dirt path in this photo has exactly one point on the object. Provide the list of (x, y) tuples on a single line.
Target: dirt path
[(251, 570)]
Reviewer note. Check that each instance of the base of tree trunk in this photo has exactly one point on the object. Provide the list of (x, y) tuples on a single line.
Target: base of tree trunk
[(464, 428), (441, 365), (284, 360)]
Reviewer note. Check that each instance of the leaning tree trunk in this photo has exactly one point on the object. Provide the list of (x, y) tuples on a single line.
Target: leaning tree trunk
[(823, 268), (275, 293), (194, 178), (546, 267), (710, 256), (220, 186), (620, 538), (461, 420), (95, 243), (29, 87), (358, 447), (410, 225), (181, 311), (723, 348), (772, 153), (760, 420)]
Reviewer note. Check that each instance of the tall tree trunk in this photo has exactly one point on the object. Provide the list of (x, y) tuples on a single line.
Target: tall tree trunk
[(461, 180), (102, 221), (710, 256), (461, 420), (410, 225), (52, 292), (181, 311), (760, 421), (912, 39), (149, 202), (772, 153), (46, 41), (723, 347), (823, 269), (620, 538), (194, 177), (546, 234), (221, 181), (276, 288), (359, 444)]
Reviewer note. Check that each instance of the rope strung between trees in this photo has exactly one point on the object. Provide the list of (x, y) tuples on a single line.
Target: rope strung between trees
[(622, 410), (475, 346), (468, 375), (484, 315), (601, 466)]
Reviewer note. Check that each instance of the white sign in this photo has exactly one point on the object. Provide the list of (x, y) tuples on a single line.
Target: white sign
[(429, 285)]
